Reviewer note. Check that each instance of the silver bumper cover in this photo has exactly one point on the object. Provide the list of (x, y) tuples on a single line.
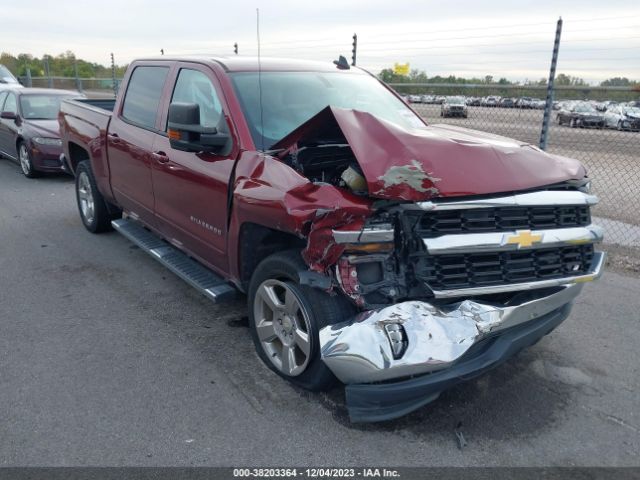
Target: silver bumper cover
[(360, 350)]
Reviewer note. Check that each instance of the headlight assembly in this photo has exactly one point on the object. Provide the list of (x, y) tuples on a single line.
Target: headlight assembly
[(48, 141)]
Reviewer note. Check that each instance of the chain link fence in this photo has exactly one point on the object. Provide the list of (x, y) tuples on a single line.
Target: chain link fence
[(595, 125), (92, 87)]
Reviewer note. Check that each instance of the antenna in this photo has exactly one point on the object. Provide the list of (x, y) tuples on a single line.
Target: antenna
[(260, 77)]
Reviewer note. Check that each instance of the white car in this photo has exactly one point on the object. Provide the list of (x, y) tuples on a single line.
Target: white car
[(7, 80), (622, 117)]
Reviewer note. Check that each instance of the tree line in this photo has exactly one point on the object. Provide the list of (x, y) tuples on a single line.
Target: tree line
[(62, 65)]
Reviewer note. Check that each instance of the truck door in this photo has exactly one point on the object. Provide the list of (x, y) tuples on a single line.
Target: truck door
[(130, 139), (191, 188)]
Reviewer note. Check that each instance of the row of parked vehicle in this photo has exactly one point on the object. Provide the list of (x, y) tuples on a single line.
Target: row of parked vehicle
[(622, 116), (29, 131), (573, 113)]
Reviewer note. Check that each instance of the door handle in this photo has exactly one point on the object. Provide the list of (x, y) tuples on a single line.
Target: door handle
[(114, 137), (160, 157)]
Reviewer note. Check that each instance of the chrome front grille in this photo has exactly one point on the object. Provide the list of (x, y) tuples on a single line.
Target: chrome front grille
[(510, 243), (501, 219), (471, 270)]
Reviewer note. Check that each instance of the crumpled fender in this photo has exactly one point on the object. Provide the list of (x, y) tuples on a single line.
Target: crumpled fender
[(268, 192)]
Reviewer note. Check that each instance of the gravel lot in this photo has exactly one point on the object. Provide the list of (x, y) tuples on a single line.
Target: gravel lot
[(108, 359)]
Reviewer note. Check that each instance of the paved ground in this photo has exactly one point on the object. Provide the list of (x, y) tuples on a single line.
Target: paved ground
[(108, 359)]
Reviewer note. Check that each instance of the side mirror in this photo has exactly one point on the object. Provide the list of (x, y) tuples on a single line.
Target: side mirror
[(9, 115), (186, 133)]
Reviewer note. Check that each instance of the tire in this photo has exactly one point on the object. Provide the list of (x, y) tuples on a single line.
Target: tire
[(559, 119), (26, 164), (572, 123), (281, 337), (619, 126), (92, 206)]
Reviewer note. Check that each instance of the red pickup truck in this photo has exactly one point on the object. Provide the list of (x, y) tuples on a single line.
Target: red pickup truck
[(396, 257)]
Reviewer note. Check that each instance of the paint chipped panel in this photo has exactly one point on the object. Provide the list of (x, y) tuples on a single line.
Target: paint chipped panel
[(405, 181)]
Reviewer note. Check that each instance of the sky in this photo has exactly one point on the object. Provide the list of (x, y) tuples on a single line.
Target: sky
[(512, 39)]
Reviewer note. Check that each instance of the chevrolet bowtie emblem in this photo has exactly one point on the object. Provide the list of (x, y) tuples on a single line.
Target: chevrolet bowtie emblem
[(522, 238)]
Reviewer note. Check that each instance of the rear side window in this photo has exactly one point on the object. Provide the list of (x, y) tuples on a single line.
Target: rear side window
[(3, 95), (142, 99)]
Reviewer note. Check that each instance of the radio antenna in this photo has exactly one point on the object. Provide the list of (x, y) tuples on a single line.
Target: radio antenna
[(260, 77)]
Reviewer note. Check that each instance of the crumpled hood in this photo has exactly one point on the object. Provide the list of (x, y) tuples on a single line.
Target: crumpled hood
[(437, 160), (45, 128)]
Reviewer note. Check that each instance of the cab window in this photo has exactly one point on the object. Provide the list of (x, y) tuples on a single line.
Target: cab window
[(3, 95), (194, 86), (143, 96)]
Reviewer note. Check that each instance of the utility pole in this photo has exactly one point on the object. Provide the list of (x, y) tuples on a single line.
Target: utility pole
[(235, 48), (75, 71), (354, 50), (544, 133), (48, 72), (113, 75)]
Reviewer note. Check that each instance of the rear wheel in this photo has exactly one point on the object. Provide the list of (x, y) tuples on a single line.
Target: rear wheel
[(619, 126), (25, 161), (92, 206), (285, 318)]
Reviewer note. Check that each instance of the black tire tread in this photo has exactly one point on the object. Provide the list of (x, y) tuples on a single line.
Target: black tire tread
[(324, 309)]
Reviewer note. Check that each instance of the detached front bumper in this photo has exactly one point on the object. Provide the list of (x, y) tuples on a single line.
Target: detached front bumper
[(401, 357)]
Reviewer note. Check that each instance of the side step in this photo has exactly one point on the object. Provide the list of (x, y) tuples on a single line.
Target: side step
[(211, 285)]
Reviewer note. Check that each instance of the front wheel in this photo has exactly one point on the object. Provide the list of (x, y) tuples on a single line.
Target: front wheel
[(285, 318), (25, 161), (572, 123), (91, 204)]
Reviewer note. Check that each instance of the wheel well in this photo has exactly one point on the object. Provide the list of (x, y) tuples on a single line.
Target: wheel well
[(257, 243), (76, 155), (19, 140)]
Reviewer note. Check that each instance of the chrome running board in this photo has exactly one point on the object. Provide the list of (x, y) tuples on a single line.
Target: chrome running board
[(211, 285)]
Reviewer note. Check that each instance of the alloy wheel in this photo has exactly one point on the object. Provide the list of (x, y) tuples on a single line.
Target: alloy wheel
[(283, 327), (25, 161), (85, 197)]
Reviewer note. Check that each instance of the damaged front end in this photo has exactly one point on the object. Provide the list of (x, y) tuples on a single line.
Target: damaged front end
[(459, 249)]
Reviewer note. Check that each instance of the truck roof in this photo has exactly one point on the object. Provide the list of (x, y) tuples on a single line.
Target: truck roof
[(235, 63)]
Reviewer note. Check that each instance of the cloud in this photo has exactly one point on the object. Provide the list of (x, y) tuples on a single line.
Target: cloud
[(462, 38)]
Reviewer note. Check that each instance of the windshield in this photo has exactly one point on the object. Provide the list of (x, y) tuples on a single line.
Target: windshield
[(6, 76), (289, 99), (454, 100), (585, 108), (40, 107)]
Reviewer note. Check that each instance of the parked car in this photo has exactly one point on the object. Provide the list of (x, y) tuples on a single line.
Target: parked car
[(524, 102), (473, 101), (453, 107), (372, 248), (580, 114), (507, 103), (7, 80), (623, 117), (415, 98), (490, 101), (29, 128)]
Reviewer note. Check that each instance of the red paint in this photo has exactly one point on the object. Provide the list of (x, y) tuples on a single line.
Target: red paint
[(466, 162), (448, 161)]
